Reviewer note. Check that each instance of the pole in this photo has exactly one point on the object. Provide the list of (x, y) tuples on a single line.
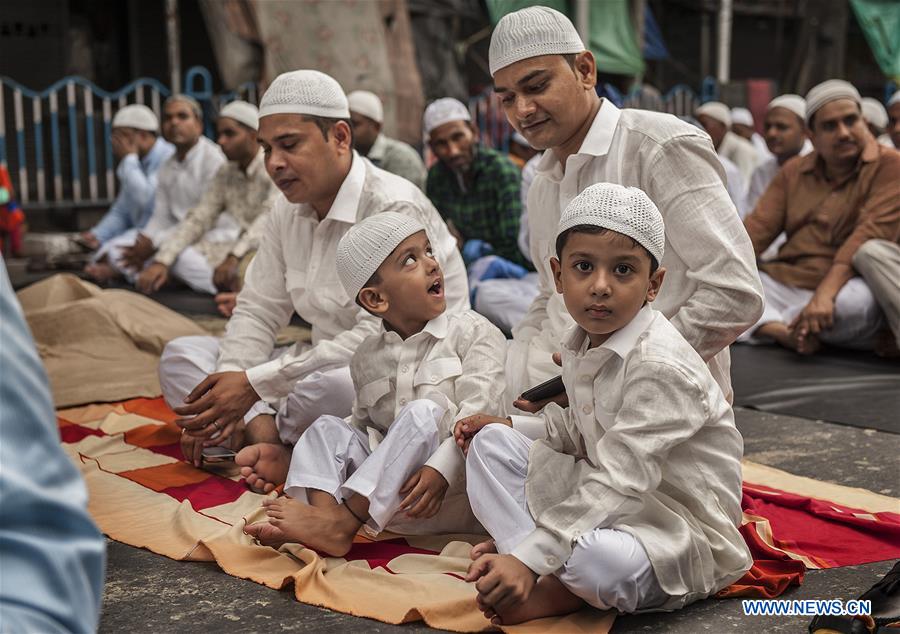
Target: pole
[(583, 21), (639, 8), (723, 71), (173, 37)]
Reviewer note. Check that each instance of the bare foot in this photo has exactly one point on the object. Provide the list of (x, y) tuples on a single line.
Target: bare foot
[(549, 598), (264, 465), (101, 272), (485, 547), (226, 302), (790, 338), (327, 529), (266, 534)]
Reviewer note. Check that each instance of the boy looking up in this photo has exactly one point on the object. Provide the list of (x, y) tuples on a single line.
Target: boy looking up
[(630, 499), (421, 372)]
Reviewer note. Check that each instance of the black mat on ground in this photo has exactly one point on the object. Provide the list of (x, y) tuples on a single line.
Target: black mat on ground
[(851, 388)]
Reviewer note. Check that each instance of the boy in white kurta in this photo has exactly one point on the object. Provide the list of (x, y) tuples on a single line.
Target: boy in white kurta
[(630, 499), (421, 372)]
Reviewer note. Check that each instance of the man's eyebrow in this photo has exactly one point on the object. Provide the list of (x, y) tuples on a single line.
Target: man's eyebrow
[(527, 78)]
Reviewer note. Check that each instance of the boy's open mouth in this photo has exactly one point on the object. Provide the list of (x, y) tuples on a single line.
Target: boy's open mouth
[(436, 288)]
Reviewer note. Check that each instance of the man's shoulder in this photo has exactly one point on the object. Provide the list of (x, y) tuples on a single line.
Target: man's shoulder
[(664, 349), (889, 158), (382, 189), (397, 148), (496, 161), (658, 128)]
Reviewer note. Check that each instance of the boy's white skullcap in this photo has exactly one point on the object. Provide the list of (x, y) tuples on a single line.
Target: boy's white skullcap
[(368, 243), (717, 110), (441, 111), (532, 32), (367, 104), (242, 112), (794, 103), (626, 210), (306, 92), (895, 98), (741, 116), (136, 116), (874, 112), (829, 91)]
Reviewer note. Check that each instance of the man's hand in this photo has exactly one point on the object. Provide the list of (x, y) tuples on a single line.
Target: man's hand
[(133, 257), (88, 240), (533, 407), (816, 316), (216, 407), (152, 278), (225, 276), (424, 493), (226, 302), (122, 143), (502, 582), (467, 427)]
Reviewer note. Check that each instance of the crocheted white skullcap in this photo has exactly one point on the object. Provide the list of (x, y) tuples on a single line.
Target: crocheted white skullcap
[(368, 243), (136, 116), (794, 103), (874, 112), (626, 210), (441, 111), (306, 92), (895, 99), (532, 32), (741, 116), (242, 112), (717, 110), (829, 91), (367, 104)]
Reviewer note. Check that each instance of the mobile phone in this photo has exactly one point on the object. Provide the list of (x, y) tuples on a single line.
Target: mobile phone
[(217, 454), (545, 390)]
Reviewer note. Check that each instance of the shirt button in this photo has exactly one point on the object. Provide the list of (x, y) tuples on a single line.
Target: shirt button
[(403, 401), (586, 409), (434, 377), (404, 369), (552, 561), (586, 378)]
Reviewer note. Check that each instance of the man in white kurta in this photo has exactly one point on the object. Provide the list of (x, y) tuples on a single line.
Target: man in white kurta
[(294, 271), (715, 117), (712, 290)]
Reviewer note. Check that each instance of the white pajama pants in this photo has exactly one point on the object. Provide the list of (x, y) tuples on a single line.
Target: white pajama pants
[(608, 568), (878, 261), (505, 301), (857, 317), (337, 458), (186, 361)]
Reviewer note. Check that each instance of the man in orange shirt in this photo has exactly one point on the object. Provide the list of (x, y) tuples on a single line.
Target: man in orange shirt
[(828, 203)]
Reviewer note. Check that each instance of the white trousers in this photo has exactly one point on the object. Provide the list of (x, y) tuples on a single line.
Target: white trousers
[(337, 458), (505, 301), (186, 361), (608, 568), (878, 261), (857, 317)]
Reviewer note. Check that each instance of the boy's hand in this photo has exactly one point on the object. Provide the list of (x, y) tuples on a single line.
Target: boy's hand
[(502, 582), (533, 407), (424, 493), (467, 427)]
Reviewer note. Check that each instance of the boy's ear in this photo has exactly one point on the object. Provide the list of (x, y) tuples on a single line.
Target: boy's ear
[(656, 281), (371, 299), (556, 267)]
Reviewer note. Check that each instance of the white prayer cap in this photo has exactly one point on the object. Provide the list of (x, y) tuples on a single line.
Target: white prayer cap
[(443, 111), (741, 116), (242, 112), (532, 32), (794, 103), (626, 210), (367, 104), (136, 116), (368, 243), (716, 110), (306, 92), (895, 99), (874, 112), (829, 91)]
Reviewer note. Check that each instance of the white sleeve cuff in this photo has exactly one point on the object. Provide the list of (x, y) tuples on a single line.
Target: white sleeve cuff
[(266, 379), (542, 551), (448, 460), (532, 426)]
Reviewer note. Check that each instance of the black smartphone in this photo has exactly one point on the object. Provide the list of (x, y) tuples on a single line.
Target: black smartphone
[(217, 454), (545, 390)]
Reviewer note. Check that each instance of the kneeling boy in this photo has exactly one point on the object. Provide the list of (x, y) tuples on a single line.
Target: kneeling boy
[(631, 498), (423, 371)]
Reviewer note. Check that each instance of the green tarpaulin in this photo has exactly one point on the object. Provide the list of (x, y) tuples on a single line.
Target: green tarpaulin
[(880, 21), (612, 39)]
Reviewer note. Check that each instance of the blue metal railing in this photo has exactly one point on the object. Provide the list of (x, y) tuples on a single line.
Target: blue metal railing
[(81, 169)]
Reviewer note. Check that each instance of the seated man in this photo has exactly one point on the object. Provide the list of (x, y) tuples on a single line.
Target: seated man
[(182, 179), (715, 117), (876, 119), (241, 189), (785, 128), (396, 157), (893, 128), (828, 203), (240, 390), (743, 126), (141, 152), (878, 261)]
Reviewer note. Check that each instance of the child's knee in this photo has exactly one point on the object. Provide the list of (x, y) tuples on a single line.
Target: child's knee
[(489, 443), (420, 417)]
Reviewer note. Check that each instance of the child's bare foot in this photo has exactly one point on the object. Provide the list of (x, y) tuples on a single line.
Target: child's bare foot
[(549, 598), (266, 534), (326, 529), (485, 547), (264, 465)]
